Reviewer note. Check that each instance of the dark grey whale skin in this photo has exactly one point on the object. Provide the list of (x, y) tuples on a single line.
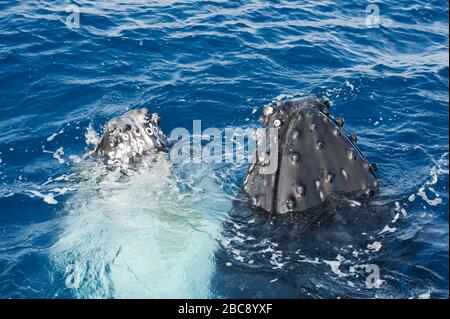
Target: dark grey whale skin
[(315, 159)]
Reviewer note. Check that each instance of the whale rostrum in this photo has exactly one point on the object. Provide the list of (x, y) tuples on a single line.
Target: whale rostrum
[(131, 135), (315, 158)]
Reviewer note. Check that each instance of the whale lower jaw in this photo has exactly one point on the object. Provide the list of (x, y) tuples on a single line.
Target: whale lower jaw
[(314, 159)]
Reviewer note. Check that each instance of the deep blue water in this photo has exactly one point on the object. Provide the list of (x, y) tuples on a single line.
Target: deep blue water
[(217, 61)]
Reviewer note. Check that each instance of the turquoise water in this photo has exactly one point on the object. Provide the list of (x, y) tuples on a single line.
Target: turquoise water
[(70, 228)]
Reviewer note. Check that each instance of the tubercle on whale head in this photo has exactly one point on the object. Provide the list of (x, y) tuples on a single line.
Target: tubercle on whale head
[(315, 159), (131, 135)]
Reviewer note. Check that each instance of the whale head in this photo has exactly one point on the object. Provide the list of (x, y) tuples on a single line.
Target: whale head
[(130, 136), (314, 159)]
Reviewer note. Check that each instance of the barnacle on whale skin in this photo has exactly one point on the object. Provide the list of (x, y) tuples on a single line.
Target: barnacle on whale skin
[(315, 159)]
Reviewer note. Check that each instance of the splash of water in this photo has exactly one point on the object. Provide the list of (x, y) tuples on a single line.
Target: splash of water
[(145, 233)]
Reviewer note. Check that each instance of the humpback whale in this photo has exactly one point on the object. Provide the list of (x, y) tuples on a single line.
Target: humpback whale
[(315, 157), (312, 213), (128, 137), (282, 218)]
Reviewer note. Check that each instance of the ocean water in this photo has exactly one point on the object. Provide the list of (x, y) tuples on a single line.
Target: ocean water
[(72, 228)]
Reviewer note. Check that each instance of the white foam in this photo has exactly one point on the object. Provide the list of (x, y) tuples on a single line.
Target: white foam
[(62, 191), (92, 138), (282, 97), (48, 198), (74, 158), (142, 237), (440, 167), (273, 280), (388, 229), (375, 246), (432, 202), (425, 295), (348, 84), (335, 264), (396, 217), (309, 260), (52, 137), (57, 155)]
